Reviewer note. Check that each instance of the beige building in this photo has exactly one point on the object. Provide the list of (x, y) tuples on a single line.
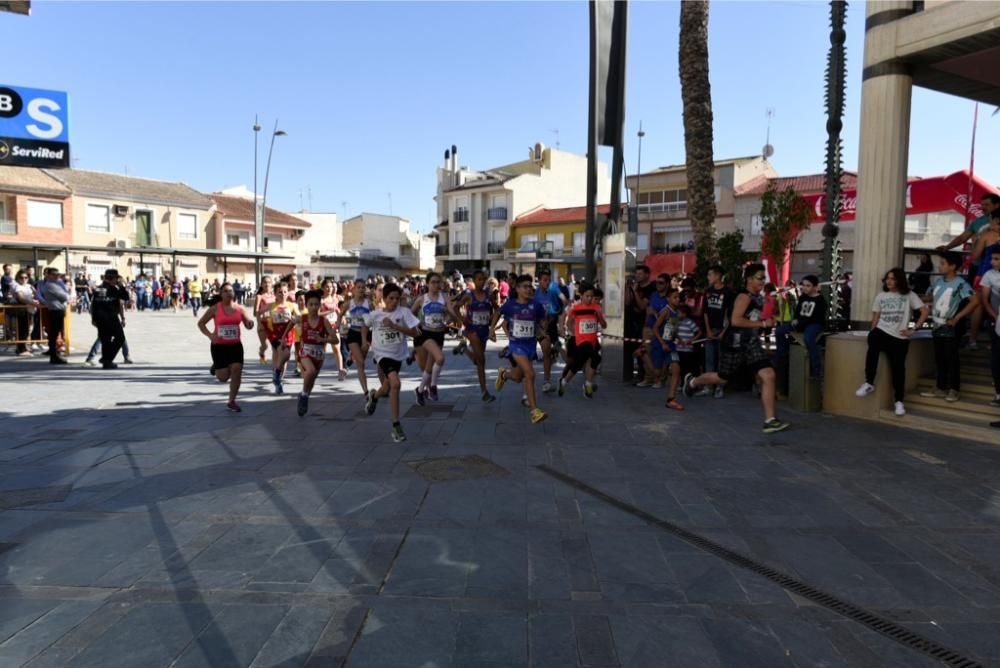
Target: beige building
[(233, 229), (132, 216), (476, 208), (377, 236), (661, 198)]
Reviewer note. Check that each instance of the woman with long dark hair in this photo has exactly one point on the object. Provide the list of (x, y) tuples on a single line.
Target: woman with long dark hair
[(891, 332)]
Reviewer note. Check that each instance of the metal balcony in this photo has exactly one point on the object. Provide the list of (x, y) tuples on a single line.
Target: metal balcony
[(8, 226), (495, 247), (496, 213), (460, 249), (460, 216), (441, 250)]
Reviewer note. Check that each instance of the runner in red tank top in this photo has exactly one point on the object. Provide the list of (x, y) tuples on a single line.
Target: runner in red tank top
[(227, 348), (584, 320), (262, 302), (315, 332)]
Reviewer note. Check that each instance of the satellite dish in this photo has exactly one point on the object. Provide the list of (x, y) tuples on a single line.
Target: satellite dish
[(767, 151)]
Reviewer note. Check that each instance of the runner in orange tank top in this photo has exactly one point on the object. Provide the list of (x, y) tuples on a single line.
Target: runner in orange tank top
[(584, 321), (227, 347)]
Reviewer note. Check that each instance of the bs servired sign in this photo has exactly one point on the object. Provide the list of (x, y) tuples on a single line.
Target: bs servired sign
[(34, 127)]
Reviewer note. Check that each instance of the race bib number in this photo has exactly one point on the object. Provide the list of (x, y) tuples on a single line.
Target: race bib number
[(279, 317), (229, 332), (588, 327), (357, 321), (389, 337), (481, 318), (312, 350), (331, 318), (524, 329), (668, 332), (434, 320)]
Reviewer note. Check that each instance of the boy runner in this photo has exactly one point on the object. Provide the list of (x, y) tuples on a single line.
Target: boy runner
[(552, 299), (434, 309), (718, 300), (315, 331), (742, 348), (227, 348), (666, 330), (479, 306), (282, 317), (355, 311), (584, 319), (525, 317), (389, 327)]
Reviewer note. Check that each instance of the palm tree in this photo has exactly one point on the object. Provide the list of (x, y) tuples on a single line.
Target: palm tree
[(696, 95)]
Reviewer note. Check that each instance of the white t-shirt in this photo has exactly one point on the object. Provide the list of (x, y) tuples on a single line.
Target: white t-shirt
[(991, 280), (386, 341), (894, 311)]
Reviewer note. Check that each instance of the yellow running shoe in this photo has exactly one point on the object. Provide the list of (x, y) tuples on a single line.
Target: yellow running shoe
[(501, 378), (538, 415)]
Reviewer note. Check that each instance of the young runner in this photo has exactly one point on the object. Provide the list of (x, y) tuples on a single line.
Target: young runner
[(283, 315), (657, 354), (583, 321), (315, 332), (742, 347), (525, 317), (355, 311), (261, 311), (666, 329), (330, 309), (389, 327), (434, 310), (554, 301), (478, 304), (227, 348)]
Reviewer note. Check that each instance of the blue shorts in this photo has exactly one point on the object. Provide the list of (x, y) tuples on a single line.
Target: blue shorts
[(527, 349), (482, 332), (661, 357)]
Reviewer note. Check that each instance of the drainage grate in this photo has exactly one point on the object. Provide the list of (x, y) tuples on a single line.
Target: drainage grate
[(33, 496), (886, 627), (470, 467)]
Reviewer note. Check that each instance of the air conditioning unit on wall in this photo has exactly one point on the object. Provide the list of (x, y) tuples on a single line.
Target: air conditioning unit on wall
[(121, 243), (121, 210)]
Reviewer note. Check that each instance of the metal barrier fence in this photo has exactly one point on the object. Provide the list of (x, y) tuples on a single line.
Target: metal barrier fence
[(20, 317)]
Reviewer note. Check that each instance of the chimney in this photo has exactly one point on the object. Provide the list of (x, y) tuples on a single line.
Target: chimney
[(454, 157), (447, 157)]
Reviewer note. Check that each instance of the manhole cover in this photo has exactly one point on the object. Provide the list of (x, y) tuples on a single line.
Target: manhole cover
[(470, 467), (16, 498)]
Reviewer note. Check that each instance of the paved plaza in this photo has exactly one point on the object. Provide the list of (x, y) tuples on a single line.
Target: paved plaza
[(143, 525)]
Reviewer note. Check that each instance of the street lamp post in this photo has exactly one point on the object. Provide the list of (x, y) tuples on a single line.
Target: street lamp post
[(263, 202), (638, 176), (258, 228)]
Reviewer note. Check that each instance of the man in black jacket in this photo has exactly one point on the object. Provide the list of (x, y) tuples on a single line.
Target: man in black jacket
[(107, 313)]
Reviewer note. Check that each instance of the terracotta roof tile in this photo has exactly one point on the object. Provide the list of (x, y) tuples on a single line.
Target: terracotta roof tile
[(573, 214), (30, 180), (131, 188), (804, 185), (241, 208)]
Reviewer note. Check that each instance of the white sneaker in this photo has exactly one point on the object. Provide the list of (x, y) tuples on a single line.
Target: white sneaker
[(643, 383), (657, 386), (547, 387), (719, 393), (900, 410), (865, 390)]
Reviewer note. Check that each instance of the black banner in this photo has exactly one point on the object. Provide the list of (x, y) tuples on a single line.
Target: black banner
[(33, 153)]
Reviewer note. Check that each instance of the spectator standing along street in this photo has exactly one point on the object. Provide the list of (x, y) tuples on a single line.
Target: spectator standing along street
[(57, 300), (107, 312)]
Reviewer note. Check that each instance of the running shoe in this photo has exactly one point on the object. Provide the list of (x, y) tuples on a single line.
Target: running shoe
[(89, 362), (864, 390), (488, 398), (342, 374), (524, 400), (504, 353), (775, 425), (562, 386), (900, 409), (460, 348), (589, 389), (279, 388), (537, 416), (409, 360), (421, 396), (643, 383), (973, 345), (397, 435), (689, 389), (952, 396), (234, 407), (128, 360), (371, 403), (704, 392), (674, 404), (657, 386), (298, 371), (719, 392), (933, 394), (501, 378), (303, 404), (547, 387), (996, 401), (433, 392)]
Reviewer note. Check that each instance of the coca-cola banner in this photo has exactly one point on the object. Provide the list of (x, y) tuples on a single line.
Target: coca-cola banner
[(930, 195)]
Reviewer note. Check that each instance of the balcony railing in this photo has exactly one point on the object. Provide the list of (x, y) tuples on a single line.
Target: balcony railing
[(8, 226), (460, 248), (663, 207), (496, 213), (460, 216), (495, 247), (441, 249)]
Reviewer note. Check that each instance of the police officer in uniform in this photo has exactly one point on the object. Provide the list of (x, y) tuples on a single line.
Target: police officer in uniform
[(107, 313)]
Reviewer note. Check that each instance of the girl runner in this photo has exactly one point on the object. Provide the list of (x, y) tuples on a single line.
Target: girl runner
[(433, 309), (315, 331), (479, 306), (355, 311), (227, 348), (330, 309), (283, 315), (525, 318), (261, 310)]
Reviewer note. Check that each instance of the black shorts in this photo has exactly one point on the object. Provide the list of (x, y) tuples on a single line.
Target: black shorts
[(751, 357), (437, 337), (579, 355), (224, 354), (552, 329), (389, 365), (354, 336)]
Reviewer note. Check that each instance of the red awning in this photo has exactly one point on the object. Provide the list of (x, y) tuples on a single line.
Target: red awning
[(671, 263)]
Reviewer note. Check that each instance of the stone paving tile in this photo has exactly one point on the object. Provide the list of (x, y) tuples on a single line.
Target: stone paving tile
[(268, 540)]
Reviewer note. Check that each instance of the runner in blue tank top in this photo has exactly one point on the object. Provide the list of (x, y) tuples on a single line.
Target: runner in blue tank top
[(354, 311), (525, 317), (434, 310), (479, 306)]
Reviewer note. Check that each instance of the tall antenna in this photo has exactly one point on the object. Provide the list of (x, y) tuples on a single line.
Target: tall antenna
[(343, 203), (302, 205), (768, 150), (555, 131), (390, 203), (309, 196)]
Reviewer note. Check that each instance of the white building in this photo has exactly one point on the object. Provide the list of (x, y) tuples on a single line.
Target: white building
[(323, 238), (376, 235), (476, 208)]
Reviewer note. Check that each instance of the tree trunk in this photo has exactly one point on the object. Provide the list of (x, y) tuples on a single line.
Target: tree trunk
[(696, 95)]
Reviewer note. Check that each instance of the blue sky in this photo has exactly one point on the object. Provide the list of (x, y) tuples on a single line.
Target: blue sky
[(372, 93)]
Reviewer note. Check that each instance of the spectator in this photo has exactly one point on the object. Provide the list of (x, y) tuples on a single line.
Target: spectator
[(989, 295), (141, 292), (948, 294), (239, 289), (194, 291), (809, 320), (6, 282), (82, 289), (56, 300), (107, 313), (24, 297), (920, 279)]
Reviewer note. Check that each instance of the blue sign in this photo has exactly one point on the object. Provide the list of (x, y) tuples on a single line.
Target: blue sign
[(34, 127)]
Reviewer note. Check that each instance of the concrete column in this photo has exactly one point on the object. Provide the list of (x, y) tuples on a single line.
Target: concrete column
[(882, 157)]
